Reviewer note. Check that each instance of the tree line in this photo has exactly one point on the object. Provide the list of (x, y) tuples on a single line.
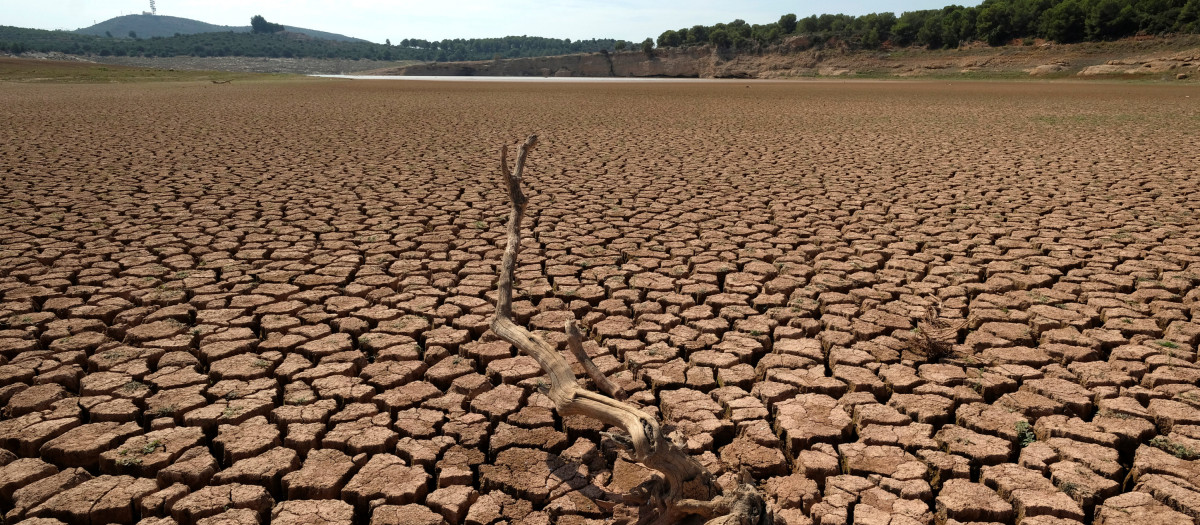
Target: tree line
[(267, 41), (997, 22)]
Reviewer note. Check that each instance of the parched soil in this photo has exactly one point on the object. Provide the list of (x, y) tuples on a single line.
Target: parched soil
[(270, 301)]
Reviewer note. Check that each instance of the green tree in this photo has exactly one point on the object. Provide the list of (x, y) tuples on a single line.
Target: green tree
[(620, 45), (1156, 16), (930, 33), (647, 45), (1064, 22), (881, 24), (669, 38), (958, 25), (1189, 17), (764, 34), (739, 32), (260, 25), (132, 34), (908, 26), (787, 24), (871, 39), (994, 23), (720, 39), (1109, 20), (1025, 16)]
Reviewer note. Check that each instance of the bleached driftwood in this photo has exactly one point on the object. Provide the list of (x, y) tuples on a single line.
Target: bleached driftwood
[(687, 490)]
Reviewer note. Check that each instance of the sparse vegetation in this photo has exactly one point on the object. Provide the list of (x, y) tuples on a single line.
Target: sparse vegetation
[(231, 411), (1025, 435), (1178, 450)]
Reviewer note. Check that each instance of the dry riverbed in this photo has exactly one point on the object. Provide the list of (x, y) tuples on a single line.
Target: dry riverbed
[(269, 300)]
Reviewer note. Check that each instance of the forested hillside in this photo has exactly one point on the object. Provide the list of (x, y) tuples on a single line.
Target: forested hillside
[(289, 44), (997, 22)]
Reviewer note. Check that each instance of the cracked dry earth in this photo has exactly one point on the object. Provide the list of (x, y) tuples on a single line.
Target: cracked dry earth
[(270, 301)]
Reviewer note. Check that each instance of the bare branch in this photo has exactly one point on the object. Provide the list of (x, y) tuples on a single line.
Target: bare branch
[(517, 197), (683, 476), (575, 343)]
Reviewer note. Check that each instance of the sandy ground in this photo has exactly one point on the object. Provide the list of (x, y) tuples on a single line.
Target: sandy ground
[(270, 300)]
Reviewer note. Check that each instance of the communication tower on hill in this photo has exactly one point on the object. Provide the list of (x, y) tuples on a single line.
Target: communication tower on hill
[(153, 10)]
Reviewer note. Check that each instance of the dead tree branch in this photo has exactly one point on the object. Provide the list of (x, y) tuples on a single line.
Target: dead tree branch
[(935, 336), (687, 488)]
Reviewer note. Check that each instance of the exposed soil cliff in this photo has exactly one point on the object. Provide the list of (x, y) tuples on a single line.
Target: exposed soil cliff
[(1169, 58)]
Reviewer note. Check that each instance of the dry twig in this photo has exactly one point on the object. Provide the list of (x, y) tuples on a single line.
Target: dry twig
[(935, 337), (687, 488)]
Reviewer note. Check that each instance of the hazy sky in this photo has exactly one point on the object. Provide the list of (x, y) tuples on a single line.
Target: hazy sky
[(377, 20)]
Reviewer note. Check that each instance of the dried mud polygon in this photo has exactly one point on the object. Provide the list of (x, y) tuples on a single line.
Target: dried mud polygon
[(262, 300)]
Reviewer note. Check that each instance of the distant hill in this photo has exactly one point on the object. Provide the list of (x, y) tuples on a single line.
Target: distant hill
[(284, 44), (150, 26)]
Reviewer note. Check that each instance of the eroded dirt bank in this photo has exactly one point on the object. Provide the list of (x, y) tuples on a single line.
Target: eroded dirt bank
[(270, 300), (1165, 58)]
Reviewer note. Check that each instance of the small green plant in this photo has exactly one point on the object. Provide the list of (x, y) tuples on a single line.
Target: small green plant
[(261, 363), (1178, 450), (1069, 488), (132, 386), (152, 446), (1168, 344), (1025, 435), (231, 411)]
